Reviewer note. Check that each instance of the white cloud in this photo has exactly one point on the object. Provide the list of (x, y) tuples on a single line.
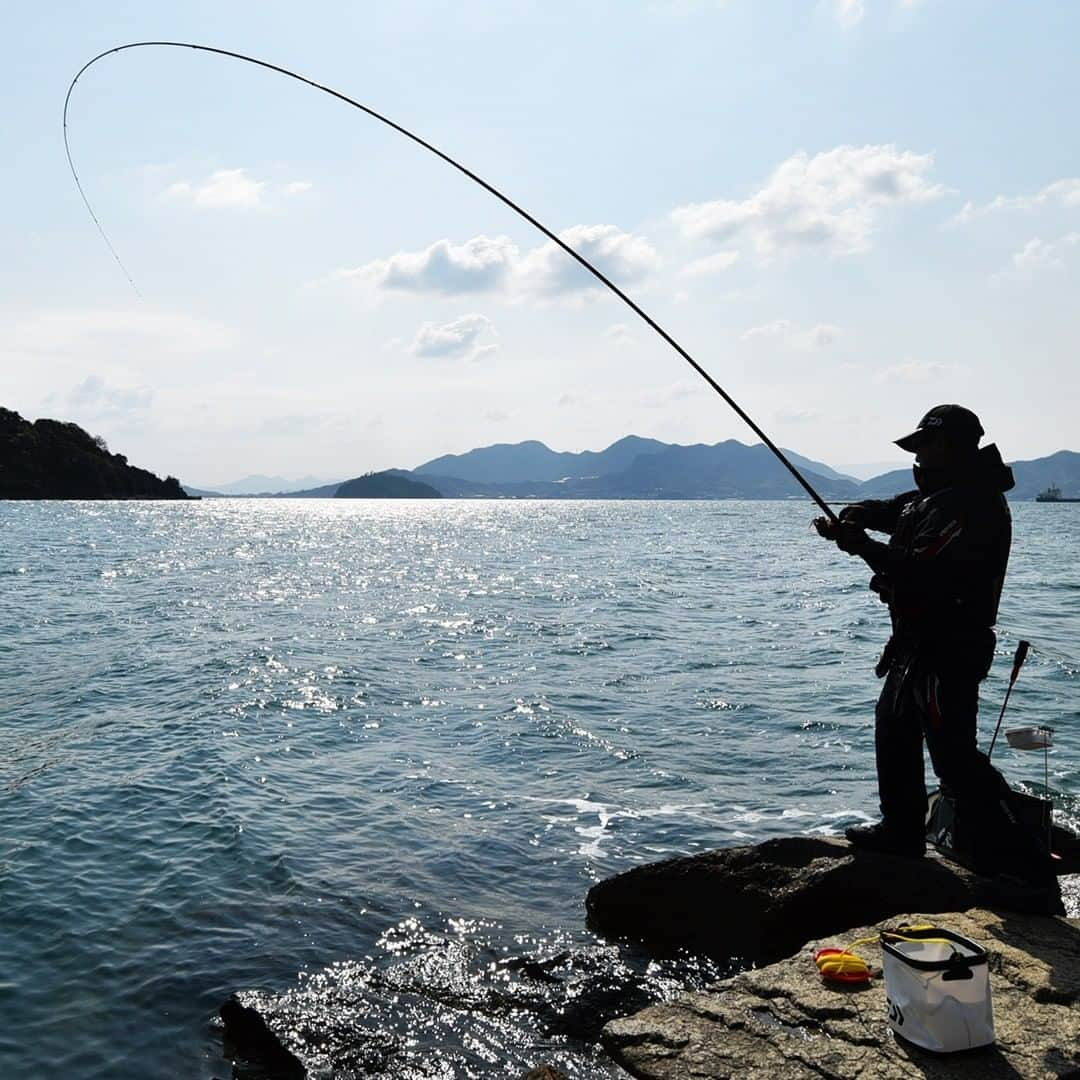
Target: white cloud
[(1038, 254), (849, 12), (484, 352), (232, 189), (45, 357), (831, 200), (818, 337), (620, 334), (494, 264), (910, 371), (450, 339), (94, 398), (479, 265), (224, 188), (621, 256), (1065, 193), (814, 337), (710, 264), (768, 330)]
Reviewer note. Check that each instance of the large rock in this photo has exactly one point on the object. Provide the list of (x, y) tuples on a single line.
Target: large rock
[(781, 1022), (761, 903)]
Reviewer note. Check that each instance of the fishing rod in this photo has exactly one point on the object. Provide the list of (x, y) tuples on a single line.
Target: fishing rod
[(506, 200), (1018, 662)]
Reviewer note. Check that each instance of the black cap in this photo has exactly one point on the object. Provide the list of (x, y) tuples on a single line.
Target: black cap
[(960, 426)]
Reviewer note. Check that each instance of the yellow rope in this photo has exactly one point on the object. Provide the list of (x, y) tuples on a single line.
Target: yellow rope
[(848, 964)]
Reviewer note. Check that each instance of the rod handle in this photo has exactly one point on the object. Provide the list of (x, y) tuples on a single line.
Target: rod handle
[(1018, 660)]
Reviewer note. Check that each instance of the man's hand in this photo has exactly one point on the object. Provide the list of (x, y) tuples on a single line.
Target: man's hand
[(846, 536), (854, 514)]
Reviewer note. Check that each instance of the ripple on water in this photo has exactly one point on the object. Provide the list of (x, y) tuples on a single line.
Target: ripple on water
[(390, 746)]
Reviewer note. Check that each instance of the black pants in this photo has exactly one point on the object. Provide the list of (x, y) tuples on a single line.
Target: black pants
[(920, 703)]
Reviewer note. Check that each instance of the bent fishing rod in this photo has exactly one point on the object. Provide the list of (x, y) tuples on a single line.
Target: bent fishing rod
[(505, 199)]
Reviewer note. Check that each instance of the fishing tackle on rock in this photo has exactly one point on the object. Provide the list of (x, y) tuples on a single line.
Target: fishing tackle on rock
[(579, 258)]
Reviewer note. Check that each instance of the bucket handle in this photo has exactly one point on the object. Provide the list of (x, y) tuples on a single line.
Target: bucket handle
[(957, 973)]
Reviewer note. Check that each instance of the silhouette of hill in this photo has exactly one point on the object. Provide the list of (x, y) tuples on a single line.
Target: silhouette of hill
[(632, 468), (385, 485), (727, 470), (511, 463), (49, 459), (887, 484), (1061, 469), (638, 468), (819, 467)]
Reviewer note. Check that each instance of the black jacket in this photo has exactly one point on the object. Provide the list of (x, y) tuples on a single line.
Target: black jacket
[(942, 571)]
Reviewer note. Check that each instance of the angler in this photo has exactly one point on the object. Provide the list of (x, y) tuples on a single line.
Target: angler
[(941, 575)]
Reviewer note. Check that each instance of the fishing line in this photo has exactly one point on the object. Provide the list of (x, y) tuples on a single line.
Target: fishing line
[(579, 258)]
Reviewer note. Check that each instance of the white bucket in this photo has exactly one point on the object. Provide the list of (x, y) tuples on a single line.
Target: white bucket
[(938, 989)]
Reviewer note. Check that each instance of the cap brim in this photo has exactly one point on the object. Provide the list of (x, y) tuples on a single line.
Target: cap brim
[(912, 442)]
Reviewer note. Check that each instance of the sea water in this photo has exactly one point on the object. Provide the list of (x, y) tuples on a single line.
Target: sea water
[(363, 760)]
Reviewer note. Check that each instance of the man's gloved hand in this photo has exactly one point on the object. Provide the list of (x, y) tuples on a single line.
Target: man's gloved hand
[(851, 538), (846, 536), (854, 514)]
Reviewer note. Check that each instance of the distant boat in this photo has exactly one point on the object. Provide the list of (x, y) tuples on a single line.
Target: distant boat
[(1052, 494)]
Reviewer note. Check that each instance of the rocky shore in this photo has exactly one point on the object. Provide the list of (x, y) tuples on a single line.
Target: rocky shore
[(782, 1021), (768, 907), (775, 904)]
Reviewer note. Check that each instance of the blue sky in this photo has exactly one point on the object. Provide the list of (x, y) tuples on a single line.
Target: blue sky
[(846, 211)]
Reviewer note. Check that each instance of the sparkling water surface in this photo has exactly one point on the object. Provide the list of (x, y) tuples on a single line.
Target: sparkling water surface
[(374, 753)]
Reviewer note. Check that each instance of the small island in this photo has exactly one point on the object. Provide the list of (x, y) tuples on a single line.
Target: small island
[(50, 459), (385, 485)]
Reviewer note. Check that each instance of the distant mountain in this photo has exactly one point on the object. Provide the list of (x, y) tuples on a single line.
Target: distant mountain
[(867, 470), (819, 467), (888, 484), (327, 491), (385, 485), (258, 484), (638, 468), (727, 470), (50, 459), (514, 470), (1061, 469), (511, 463)]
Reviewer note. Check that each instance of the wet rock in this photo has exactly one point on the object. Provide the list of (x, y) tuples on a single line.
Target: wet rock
[(251, 1038), (545, 1072), (782, 1022), (436, 1008), (762, 902)]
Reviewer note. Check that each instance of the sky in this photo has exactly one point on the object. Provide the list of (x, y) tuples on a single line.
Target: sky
[(847, 211)]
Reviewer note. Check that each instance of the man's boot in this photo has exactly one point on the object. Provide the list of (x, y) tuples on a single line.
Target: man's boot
[(886, 840)]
